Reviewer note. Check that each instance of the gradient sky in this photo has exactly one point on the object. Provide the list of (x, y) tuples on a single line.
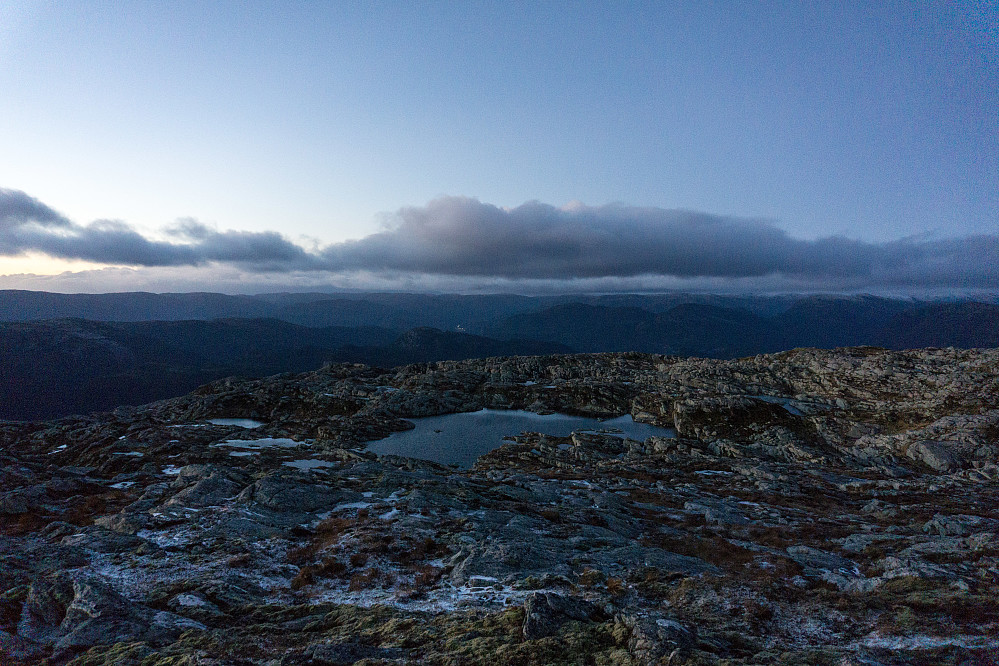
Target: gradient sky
[(873, 121)]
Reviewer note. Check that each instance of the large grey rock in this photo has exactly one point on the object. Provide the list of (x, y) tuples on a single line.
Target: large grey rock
[(101, 540), (545, 612), (22, 500), (74, 610), (45, 608), (657, 640), (335, 654), (251, 528), (816, 562), (286, 492), (212, 490), (501, 559), (937, 455), (944, 525), (232, 594), (717, 512), (623, 558), (125, 523), (194, 605)]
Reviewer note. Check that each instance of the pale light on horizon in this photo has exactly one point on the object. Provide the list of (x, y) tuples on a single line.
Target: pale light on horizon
[(40, 264), (286, 132)]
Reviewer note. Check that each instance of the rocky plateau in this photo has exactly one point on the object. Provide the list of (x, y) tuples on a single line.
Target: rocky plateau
[(815, 507)]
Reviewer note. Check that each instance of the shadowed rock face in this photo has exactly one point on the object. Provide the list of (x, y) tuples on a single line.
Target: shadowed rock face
[(816, 507)]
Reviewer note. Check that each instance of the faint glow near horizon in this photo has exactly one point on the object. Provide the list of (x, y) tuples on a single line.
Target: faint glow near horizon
[(873, 121), (39, 264)]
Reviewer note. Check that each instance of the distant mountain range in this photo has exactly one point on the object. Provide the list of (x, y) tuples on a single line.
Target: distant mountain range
[(68, 353), (707, 330), (62, 366), (400, 311)]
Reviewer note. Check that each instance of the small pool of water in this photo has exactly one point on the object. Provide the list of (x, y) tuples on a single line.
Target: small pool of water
[(783, 402), (308, 464), (458, 439), (264, 443), (242, 423)]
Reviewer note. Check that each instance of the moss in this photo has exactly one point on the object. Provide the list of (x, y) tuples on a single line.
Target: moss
[(175, 660), (814, 657), (500, 643), (907, 584), (904, 620), (123, 654)]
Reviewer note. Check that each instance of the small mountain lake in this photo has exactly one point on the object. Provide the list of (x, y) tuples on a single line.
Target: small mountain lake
[(242, 423), (458, 439)]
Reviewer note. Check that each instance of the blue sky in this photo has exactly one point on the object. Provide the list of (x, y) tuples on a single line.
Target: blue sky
[(873, 121)]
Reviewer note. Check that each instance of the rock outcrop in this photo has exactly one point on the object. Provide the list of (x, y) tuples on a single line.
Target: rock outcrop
[(813, 507)]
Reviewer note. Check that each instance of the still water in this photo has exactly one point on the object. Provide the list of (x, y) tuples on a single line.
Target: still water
[(458, 439)]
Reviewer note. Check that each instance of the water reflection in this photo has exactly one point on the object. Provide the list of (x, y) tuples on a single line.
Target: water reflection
[(461, 438)]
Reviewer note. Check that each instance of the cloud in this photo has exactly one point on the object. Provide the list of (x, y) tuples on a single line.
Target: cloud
[(460, 236), (17, 208), (459, 240), (27, 225), (464, 237)]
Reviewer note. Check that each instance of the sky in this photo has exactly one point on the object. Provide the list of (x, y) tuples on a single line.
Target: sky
[(499, 146)]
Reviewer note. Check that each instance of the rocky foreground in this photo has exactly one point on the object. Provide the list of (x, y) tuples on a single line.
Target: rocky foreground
[(820, 507)]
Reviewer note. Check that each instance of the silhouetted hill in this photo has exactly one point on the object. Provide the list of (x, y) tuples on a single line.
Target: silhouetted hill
[(828, 322), (18, 305), (966, 325), (708, 330), (448, 345), (586, 328), (64, 365), (421, 345), (690, 329), (58, 367), (764, 306), (405, 311), (346, 312), (390, 310)]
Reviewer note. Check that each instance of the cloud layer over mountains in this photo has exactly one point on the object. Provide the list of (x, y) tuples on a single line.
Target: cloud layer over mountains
[(459, 237)]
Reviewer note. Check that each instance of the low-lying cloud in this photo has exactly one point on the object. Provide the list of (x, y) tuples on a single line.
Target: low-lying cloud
[(28, 225), (462, 238)]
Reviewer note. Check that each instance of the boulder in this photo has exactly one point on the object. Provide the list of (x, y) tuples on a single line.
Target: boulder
[(22, 500), (70, 611), (656, 640), (295, 493), (210, 491), (100, 540), (717, 512), (335, 654), (125, 523), (937, 455), (545, 612), (952, 525)]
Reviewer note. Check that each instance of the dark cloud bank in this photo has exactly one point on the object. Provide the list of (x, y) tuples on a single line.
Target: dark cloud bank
[(464, 238)]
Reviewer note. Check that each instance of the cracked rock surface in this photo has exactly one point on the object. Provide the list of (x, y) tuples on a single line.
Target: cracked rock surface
[(820, 507)]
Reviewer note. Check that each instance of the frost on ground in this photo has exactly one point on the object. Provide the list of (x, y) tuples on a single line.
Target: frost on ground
[(826, 507)]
